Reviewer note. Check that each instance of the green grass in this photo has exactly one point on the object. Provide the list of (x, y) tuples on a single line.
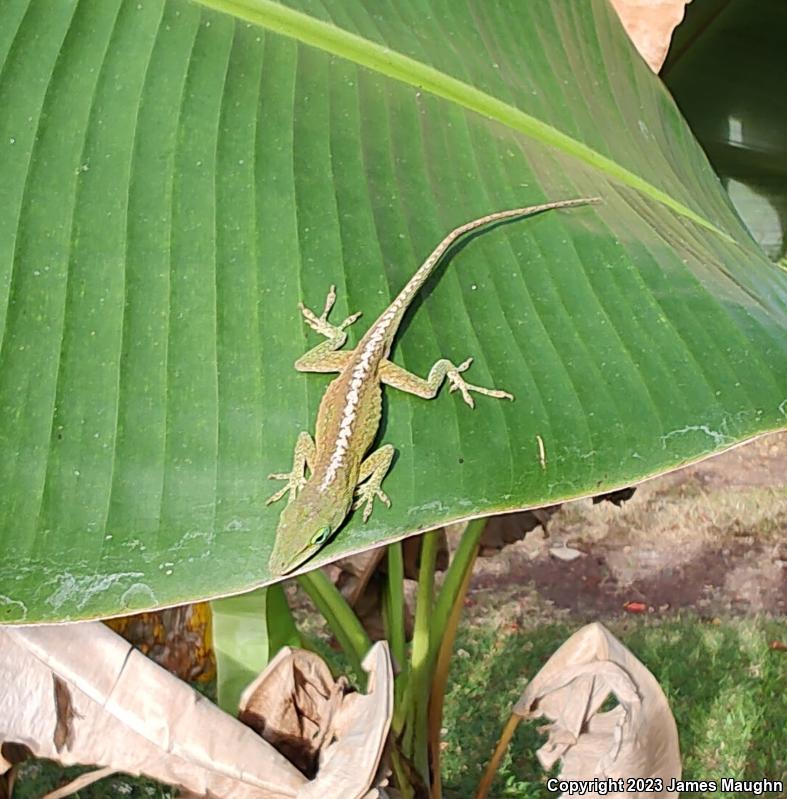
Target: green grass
[(725, 685), (37, 777)]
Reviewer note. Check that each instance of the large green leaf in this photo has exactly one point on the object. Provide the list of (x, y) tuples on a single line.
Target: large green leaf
[(175, 179)]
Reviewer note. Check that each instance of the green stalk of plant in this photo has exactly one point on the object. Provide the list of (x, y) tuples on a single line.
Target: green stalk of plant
[(343, 622), (394, 617), (461, 563), (421, 685), (400, 773), (415, 741), (417, 711), (443, 638)]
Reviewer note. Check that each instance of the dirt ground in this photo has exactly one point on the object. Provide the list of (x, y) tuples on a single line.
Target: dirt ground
[(711, 537)]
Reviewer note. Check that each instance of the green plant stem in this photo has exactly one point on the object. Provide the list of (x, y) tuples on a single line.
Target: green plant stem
[(416, 740), (400, 774), (340, 616), (394, 616), (461, 564), (444, 639), (394, 598)]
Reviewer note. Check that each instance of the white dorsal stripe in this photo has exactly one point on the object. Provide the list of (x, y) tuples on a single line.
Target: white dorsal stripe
[(359, 374)]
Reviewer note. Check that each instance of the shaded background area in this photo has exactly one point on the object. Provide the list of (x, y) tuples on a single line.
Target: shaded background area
[(725, 69)]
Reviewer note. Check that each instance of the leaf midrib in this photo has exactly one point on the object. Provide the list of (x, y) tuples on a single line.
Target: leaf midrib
[(332, 39)]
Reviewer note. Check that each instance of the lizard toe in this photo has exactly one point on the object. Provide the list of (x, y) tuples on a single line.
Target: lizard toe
[(279, 476), (277, 496)]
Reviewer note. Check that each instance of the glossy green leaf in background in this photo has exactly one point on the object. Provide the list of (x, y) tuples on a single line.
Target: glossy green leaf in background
[(246, 631), (174, 179)]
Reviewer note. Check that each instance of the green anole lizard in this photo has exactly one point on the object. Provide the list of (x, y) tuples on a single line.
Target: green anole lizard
[(341, 477)]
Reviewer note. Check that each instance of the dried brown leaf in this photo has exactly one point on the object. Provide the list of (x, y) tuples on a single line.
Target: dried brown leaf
[(649, 24), (637, 738), (113, 707)]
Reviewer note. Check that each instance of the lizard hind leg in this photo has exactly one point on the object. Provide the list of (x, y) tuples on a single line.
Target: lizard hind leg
[(373, 471), (303, 458)]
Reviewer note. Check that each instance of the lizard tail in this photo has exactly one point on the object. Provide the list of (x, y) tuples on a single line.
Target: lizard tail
[(426, 268)]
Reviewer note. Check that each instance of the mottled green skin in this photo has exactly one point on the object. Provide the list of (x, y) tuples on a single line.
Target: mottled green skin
[(340, 476), (313, 510)]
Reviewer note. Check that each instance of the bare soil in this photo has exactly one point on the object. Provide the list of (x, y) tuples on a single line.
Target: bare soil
[(711, 537)]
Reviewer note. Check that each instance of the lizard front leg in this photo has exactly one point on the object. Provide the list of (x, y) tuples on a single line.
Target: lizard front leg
[(325, 356), (393, 375), (373, 471), (302, 458)]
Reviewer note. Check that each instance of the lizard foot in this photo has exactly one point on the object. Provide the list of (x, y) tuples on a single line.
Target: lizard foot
[(320, 324), (295, 483), (458, 383), (366, 494)]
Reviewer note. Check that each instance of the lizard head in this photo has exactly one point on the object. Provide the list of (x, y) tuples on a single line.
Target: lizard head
[(305, 526)]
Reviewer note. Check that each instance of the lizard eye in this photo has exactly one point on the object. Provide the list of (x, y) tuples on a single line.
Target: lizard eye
[(321, 536)]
